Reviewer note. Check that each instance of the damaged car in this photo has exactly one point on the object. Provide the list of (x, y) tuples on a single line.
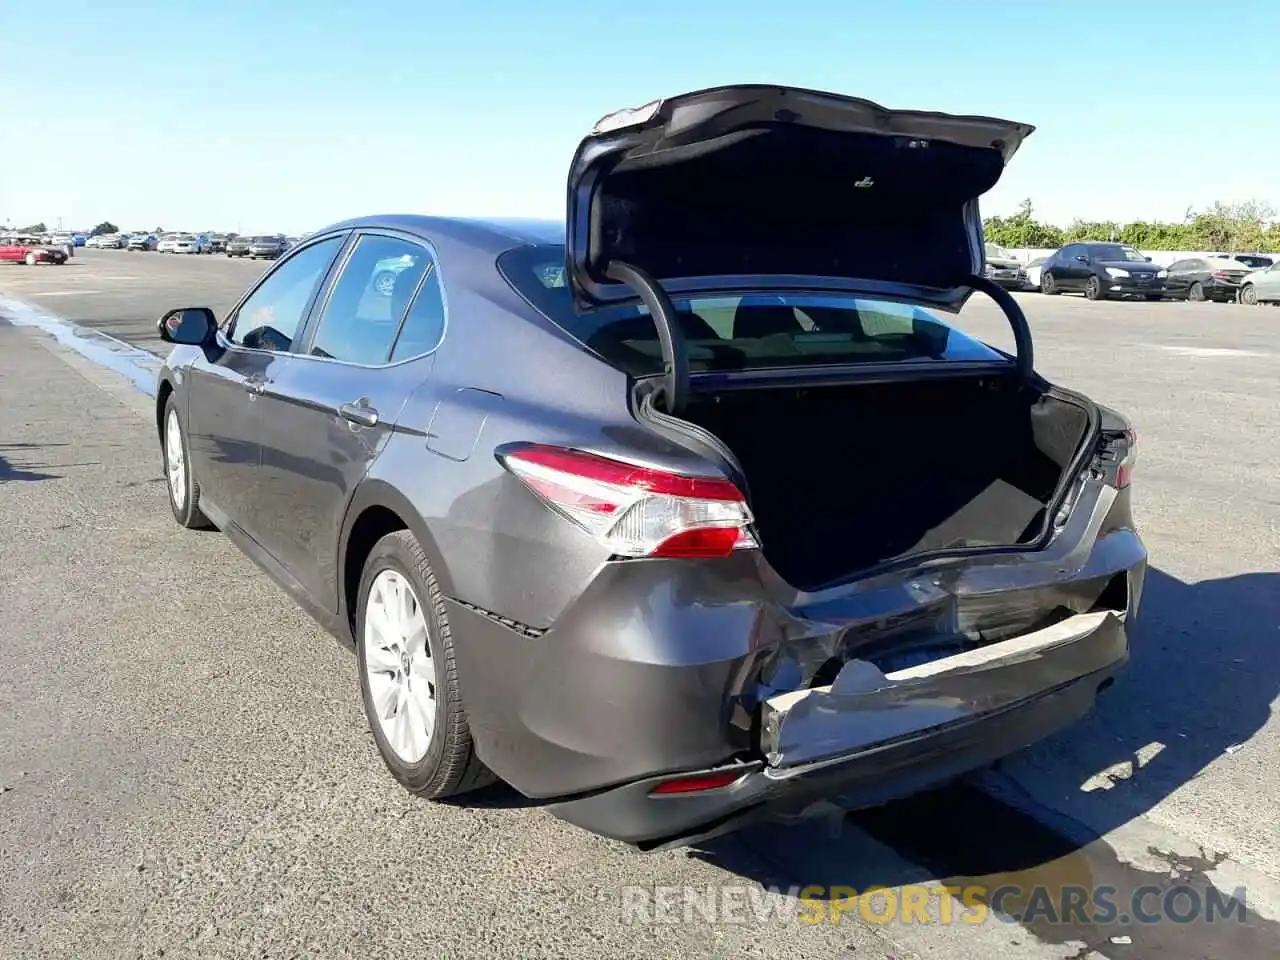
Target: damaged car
[(692, 509)]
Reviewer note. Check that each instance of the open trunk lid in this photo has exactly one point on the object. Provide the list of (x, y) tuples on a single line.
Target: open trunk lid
[(733, 186), (753, 188)]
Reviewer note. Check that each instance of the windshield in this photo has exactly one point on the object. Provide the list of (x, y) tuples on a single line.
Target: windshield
[(742, 333), (998, 252), (264, 239), (1116, 251)]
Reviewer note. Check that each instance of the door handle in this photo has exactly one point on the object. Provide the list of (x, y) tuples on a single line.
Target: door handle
[(359, 413)]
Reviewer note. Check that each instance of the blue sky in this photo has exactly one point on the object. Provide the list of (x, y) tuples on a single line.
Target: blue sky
[(286, 115)]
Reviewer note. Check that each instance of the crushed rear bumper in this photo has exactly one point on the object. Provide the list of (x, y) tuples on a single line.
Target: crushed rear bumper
[(870, 737)]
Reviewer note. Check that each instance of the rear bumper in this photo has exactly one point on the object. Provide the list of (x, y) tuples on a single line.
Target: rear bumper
[(658, 669), (889, 743)]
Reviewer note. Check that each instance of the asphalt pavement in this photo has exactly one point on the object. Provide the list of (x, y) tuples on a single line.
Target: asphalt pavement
[(185, 769)]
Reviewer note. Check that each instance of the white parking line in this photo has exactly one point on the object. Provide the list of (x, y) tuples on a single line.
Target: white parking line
[(1210, 351), (59, 293)]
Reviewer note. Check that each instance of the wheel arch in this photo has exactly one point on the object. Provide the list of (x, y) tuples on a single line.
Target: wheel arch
[(164, 390), (376, 509)]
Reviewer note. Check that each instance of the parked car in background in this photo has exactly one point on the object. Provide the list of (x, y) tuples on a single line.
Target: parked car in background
[(620, 595), (1261, 286), (1004, 268), (266, 247), (189, 243), (1033, 272), (1253, 261), (108, 241), (80, 239), (166, 243), (218, 242), (143, 241), (62, 239), (1102, 270), (238, 246), (30, 250), (1206, 278)]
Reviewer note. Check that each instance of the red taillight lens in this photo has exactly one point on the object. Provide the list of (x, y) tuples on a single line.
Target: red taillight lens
[(696, 784), (1124, 471), (636, 511)]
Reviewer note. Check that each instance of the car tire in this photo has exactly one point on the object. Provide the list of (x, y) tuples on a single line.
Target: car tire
[(1154, 297), (1047, 285), (1093, 289), (1195, 292), (400, 713), (1249, 295), (184, 491), (30, 260)]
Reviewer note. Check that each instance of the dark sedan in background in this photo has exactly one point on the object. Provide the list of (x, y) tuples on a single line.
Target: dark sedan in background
[(266, 248), (1102, 270), (548, 486), (1206, 278)]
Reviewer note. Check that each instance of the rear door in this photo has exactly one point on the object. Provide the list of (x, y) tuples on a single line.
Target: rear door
[(225, 384), (1179, 279), (368, 345)]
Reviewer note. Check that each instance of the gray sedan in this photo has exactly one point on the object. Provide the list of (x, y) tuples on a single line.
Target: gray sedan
[(687, 511)]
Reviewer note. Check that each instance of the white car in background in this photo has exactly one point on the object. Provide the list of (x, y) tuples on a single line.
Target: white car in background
[(185, 243), (1033, 272)]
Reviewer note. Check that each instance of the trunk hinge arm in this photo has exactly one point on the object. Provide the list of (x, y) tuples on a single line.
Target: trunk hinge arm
[(1026, 358), (675, 355)]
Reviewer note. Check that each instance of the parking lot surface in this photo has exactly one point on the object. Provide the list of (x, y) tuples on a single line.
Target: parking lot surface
[(185, 766)]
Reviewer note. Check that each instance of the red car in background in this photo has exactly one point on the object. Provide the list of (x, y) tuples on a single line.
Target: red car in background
[(29, 251)]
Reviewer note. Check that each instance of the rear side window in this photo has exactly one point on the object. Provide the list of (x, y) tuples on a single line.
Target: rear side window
[(743, 332), (367, 302), (424, 324)]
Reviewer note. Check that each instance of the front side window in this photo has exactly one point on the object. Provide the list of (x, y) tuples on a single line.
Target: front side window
[(744, 332), (270, 317), (369, 299)]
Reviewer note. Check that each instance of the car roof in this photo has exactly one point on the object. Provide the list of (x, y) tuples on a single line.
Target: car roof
[(491, 235)]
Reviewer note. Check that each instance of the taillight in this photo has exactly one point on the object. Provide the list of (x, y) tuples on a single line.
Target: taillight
[(1127, 451), (636, 511)]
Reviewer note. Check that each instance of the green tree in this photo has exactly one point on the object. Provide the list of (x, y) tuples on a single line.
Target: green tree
[(35, 228), (105, 227)]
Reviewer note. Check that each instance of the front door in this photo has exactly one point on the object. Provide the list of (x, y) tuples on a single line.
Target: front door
[(222, 423), (227, 384), (334, 409)]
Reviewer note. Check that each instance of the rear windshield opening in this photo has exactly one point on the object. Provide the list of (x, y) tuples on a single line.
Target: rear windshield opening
[(743, 332)]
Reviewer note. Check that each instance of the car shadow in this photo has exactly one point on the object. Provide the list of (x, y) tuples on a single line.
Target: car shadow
[(16, 464), (1200, 683)]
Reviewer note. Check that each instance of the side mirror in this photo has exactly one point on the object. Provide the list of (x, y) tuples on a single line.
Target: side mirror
[(192, 326)]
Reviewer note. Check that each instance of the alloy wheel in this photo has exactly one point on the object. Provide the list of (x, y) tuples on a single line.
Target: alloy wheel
[(175, 460), (399, 666)]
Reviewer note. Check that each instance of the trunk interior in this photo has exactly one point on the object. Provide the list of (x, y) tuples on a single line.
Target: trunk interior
[(844, 478)]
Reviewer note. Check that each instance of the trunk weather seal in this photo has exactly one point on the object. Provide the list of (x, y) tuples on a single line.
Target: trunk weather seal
[(675, 354)]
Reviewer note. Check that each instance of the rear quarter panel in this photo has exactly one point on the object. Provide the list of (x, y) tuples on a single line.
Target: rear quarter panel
[(503, 375)]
